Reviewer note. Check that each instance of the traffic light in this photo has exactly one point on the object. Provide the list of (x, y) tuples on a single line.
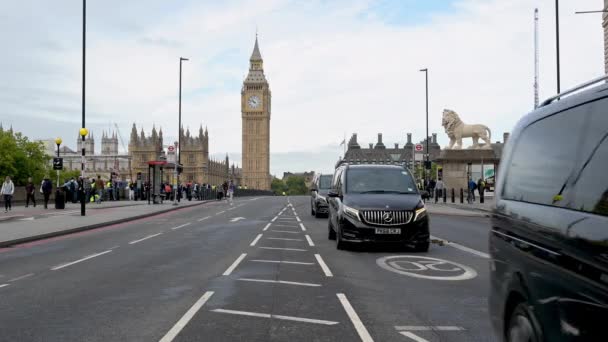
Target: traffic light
[(427, 165)]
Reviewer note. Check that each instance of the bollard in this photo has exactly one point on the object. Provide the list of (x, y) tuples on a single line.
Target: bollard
[(461, 195), (437, 195), (453, 195), (481, 195), (445, 195)]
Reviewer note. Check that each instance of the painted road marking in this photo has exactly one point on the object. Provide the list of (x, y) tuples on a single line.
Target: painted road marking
[(310, 243), (79, 260), (302, 226), (274, 219), (4, 285), (426, 268), (283, 225), (285, 262), (323, 266), (204, 218), (285, 239), (146, 238), (298, 218), (267, 226), (257, 238), (182, 226), (221, 212), (21, 277), (235, 264), (354, 318), (285, 249), (428, 328), (286, 318), (237, 219), (171, 334), (279, 282), (462, 248), (413, 336), (285, 231)]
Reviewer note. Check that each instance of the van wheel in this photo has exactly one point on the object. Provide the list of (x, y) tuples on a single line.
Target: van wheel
[(312, 210), (331, 234), (340, 245), (521, 327)]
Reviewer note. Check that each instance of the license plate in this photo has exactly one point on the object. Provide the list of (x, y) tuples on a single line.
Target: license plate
[(388, 230)]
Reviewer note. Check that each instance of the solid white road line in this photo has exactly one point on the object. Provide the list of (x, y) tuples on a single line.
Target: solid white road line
[(413, 336), (462, 248), (182, 226), (204, 218), (284, 231), (257, 238), (285, 239), (79, 260), (354, 318), (302, 226), (267, 226), (21, 277), (280, 282), (235, 264), (323, 266), (285, 249), (310, 243), (286, 318), (146, 238), (171, 334), (221, 212), (285, 262), (3, 285), (428, 328)]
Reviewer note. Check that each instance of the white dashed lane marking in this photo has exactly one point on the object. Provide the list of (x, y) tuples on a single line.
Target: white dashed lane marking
[(285, 249), (267, 226), (280, 282), (204, 218), (354, 318), (235, 264), (323, 266), (186, 318), (285, 231), (285, 262), (286, 318), (79, 260), (310, 243), (284, 239), (302, 226), (462, 248), (257, 238), (142, 239), (4, 285), (21, 277), (182, 226)]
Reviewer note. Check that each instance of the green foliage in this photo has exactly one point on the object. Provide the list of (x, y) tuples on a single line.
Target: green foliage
[(278, 186), (296, 185), (21, 158)]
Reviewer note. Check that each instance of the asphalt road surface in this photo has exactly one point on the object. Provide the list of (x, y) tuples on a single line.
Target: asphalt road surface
[(261, 269)]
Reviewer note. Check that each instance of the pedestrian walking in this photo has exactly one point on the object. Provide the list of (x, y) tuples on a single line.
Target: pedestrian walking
[(47, 189), (231, 192), (471, 195), (132, 191), (99, 188), (30, 192), (225, 189), (439, 188), (7, 191)]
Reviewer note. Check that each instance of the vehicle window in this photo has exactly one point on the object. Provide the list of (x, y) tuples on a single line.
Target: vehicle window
[(544, 159), (336, 180), (324, 182), (379, 180), (589, 179)]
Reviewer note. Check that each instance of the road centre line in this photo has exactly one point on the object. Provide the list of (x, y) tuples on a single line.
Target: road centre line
[(279, 282), (204, 218), (310, 243), (413, 336), (429, 328), (462, 248), (285, 239), (267, 226), (302, 226), (3, 285), (285, 249), (323, 266), (274, 219), (298, 218), (286, 318), (182, 226), (179, 325), (354, 318), (21, 277), (284, 262), (221, 212), (235, 264), (79, 260), (146, 238), (257, 238), (285, 231)]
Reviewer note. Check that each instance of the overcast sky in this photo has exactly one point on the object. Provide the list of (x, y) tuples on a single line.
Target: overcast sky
[(334, 67)]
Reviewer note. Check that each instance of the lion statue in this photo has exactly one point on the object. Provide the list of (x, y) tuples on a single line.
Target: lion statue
[(456, 130)]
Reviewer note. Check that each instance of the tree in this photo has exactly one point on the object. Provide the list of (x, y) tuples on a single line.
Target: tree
[(278, 186), (296, 185), (21, 158)]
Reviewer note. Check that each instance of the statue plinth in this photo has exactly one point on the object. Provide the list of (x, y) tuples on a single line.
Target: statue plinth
[(456, 165)]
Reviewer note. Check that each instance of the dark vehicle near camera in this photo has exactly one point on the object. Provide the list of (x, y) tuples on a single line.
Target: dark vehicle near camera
[(549, 238), (377, 203), (318, 194)]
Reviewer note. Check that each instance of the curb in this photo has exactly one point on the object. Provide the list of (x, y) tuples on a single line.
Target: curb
[(10, 243)]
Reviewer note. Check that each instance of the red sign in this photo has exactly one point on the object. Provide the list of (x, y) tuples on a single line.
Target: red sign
[(171, 148), (418, 147)]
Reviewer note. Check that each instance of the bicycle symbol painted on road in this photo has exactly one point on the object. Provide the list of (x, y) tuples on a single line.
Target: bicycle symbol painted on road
[(426, 267)]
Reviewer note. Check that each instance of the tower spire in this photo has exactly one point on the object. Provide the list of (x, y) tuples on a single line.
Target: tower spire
[(256, 55)]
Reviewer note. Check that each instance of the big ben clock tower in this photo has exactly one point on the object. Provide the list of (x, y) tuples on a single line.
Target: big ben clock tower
[(255, 109)]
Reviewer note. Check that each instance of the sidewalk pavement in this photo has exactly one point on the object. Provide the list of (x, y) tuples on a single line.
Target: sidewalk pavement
[(26, 226), (475, 209)]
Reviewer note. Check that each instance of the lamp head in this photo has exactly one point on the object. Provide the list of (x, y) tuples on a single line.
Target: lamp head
[(84, 132), (58, 141)]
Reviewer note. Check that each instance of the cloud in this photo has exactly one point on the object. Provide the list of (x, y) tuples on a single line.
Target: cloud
[(334, 68)]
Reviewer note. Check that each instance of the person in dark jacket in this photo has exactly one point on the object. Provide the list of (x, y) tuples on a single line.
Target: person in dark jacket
[(47, 189), (30, 192)]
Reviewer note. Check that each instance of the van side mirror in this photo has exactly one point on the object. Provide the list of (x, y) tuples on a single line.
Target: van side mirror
[(332, 193)]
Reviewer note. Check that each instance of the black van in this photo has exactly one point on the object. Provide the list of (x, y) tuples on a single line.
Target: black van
[(318, 194), (549, 237)]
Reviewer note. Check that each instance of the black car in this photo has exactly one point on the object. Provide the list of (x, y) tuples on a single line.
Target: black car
[(318, 194), (377, 203), (549, 238)]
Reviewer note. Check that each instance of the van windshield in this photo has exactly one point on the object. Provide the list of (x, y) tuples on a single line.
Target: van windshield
[(380, 181), (325, 182)]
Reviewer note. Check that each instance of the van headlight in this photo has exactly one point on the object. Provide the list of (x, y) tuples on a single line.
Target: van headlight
[(420, 211), (352, 212)]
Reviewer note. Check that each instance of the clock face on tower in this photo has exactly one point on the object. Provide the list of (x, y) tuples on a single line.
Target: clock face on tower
[(254, 101)]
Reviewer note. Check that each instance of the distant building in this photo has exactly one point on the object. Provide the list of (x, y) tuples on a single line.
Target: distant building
[(308, 176)]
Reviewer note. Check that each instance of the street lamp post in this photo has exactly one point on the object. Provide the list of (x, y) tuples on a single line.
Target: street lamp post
[(58, 197), (58, 142), (557, 43), (175, 178), (426, 73), (179, 131), (83, 130), (81, 188)]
